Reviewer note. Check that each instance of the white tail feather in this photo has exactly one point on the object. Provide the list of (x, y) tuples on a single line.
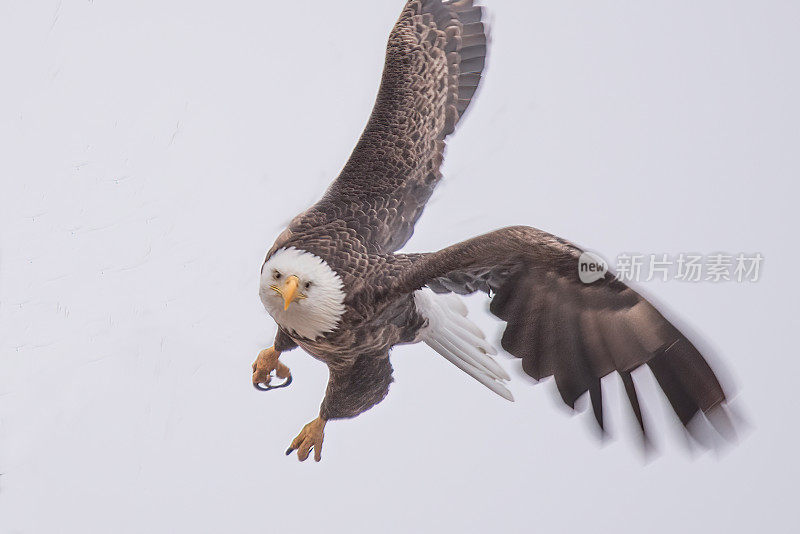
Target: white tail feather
[(495, 385), (473, 349), (463, 322), (450, 333)]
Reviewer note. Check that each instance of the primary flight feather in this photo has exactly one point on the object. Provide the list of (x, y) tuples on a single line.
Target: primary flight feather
[(336, 287)]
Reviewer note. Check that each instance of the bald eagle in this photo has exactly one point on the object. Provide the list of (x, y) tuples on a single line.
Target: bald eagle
[(336, 286)]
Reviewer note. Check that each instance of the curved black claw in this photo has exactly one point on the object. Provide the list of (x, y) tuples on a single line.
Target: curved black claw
[(291, 450), (267, 387)]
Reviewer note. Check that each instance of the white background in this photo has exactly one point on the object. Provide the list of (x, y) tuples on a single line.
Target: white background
[(151, 151)]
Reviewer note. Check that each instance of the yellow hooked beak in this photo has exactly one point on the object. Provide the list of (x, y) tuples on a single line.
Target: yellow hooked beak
[(289, 291)]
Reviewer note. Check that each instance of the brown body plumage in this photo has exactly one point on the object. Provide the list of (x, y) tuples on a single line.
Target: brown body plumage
[(556, 324)]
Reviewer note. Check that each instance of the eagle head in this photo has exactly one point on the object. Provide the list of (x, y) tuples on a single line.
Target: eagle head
[(302, 293)]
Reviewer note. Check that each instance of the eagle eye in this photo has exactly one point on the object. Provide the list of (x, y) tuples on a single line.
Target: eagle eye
[(276, 275), (308, 284)]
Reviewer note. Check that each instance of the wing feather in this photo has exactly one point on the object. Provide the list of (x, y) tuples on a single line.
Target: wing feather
[(561, 327), (434, 59)]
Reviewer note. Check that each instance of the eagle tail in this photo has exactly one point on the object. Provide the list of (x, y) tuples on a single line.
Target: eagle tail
[(450, 333)]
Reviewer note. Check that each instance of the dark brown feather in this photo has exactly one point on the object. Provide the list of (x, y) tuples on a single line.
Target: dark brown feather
[(434, 59), (559, 326)]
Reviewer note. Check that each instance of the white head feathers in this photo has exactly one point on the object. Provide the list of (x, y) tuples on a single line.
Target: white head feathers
[(321, 309)]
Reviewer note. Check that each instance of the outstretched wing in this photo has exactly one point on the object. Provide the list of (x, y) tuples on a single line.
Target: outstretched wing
[(562, 327), (434, 60)]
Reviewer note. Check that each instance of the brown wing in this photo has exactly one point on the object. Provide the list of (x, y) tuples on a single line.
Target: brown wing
[(434, 60), (559, 326)]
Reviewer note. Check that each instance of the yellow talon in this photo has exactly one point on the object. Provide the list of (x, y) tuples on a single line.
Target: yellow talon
[(309, 438), (267, 362)]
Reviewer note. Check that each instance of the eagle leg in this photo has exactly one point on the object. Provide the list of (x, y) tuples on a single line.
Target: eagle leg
[(309, 438), (267, 362)]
